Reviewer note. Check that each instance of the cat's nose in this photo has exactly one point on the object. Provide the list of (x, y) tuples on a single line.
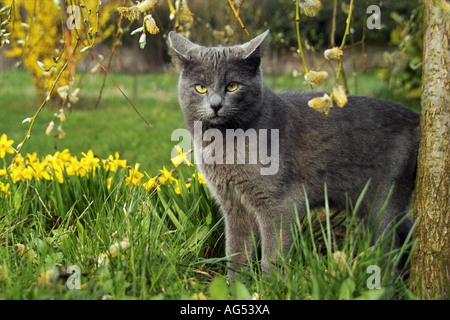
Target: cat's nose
[(216, 103)]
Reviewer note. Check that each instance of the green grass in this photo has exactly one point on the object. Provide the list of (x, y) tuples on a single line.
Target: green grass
[(176, 242), (112, 127)]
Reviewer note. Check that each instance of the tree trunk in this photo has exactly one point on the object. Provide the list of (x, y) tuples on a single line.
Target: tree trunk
[(430, 267)]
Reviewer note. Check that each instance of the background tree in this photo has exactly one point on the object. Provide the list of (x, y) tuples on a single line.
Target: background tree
[(431, 259), (39, 39)]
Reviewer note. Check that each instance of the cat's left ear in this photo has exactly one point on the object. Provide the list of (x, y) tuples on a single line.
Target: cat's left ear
[(256, 47), (181, 48)]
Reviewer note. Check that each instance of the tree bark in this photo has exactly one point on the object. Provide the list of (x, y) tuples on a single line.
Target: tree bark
[(430, 267)]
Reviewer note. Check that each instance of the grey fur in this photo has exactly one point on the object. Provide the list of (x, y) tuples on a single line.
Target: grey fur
[(367, 139)]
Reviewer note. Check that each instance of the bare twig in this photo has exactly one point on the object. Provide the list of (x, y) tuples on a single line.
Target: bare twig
[(347, 31), (333, 23), (237, 17), (113, 51), (363, 40), (118, 87), (299, 42), (33, 119)]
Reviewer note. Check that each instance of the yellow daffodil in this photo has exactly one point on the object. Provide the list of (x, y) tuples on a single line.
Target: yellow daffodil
[(31, 159), (90, 161), (181, 157), (151, 183), (62, 164), (177, 188), (4, 190), (5, 146), (199, 177), (167, 175), (108, 183), (75, 167), (58, 173), (134, 176), (112, 163), (17, 173), (42, 170)]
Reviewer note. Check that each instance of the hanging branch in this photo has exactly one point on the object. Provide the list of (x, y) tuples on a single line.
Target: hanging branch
[(297, 25), (347, 31), (363, 45), (113, 51), (333, 23), (33, 119), (118, 87), (237, 17), (67, 35)]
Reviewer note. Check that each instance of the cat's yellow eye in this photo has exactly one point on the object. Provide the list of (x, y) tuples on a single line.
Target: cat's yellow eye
[(200, 88), (232, 87)]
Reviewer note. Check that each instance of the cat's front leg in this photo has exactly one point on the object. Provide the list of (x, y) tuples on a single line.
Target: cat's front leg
[(276, 238), (240, 233)]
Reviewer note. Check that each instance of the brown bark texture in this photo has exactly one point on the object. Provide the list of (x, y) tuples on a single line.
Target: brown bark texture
[(430, 267)]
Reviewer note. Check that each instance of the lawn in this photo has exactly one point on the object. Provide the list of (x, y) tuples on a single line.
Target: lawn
[(114, 126), (111, 127), (102, 232)]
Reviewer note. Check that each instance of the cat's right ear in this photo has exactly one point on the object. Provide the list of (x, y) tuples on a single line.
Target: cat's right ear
[(257, 46), (181, 48)]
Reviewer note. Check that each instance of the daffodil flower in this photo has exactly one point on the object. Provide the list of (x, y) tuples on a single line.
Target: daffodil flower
[(199, 177), (181, 157), (177, 188), (89, 161), (112, 163), (4, 189), (167, 175), (151, 183), (134, 176), (5, 146)]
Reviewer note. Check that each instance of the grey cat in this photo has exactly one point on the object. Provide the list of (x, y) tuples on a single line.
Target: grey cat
[(222, 88)]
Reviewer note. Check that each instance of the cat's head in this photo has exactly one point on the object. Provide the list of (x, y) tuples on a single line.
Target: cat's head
[(220, 85)]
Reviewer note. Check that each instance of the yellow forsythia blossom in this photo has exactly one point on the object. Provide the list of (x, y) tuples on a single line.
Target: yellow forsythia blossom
[(37, 37)]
